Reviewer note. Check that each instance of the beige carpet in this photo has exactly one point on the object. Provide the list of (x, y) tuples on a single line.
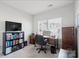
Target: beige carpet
[(30, 52)]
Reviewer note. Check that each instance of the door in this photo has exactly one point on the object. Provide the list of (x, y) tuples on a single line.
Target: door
[(68, 39)]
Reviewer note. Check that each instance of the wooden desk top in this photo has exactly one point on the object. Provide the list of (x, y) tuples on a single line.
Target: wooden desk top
[(50, 40)]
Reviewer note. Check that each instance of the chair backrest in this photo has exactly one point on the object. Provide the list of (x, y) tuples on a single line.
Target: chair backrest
[(40, 40)]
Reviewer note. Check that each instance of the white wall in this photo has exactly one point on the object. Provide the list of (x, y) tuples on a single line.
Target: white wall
[(66, 12), (77, 7), (8, 13)]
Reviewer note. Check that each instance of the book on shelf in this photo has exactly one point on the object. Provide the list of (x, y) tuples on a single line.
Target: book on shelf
[(21, 35), (20, 40), (14, 42), (14, 36), (14, 48), (8, 43), (9, 36), (17, 41), (8, 50)]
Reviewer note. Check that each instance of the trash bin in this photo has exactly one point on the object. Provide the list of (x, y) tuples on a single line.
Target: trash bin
[(53, 49)]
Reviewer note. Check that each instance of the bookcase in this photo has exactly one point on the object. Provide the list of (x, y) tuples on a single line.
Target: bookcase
[(12, 41)]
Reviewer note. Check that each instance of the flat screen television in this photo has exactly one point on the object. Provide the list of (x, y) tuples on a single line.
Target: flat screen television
[(12, 26)]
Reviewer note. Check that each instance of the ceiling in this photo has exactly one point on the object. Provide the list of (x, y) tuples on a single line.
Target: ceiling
[(36, 6)]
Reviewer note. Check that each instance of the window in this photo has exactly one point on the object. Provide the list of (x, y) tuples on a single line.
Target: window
[(52, 25), (55, 26), (42, 26)]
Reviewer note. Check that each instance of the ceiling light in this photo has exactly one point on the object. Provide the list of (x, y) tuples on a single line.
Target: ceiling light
[(50, 5)]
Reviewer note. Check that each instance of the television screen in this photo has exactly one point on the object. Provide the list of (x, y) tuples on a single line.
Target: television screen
[(12, 26)]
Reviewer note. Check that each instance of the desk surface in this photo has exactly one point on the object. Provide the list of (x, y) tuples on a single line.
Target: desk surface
[(46, 36), (50, 40)]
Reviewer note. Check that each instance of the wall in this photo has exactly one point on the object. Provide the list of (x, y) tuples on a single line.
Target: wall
[(77, 7), (66, 12), (8, 13)]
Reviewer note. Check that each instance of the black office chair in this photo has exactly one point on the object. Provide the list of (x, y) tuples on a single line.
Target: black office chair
[(40, 41)]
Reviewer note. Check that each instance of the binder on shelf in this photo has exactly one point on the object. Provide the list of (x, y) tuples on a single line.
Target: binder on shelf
[(17, 36), (20, 40), (21, 35), (8, 43), (9, 35), (14, 37), (14, 48), (8, 50), (14, 42)]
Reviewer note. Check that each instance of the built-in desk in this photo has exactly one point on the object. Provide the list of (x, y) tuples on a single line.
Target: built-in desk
[(52, 42)]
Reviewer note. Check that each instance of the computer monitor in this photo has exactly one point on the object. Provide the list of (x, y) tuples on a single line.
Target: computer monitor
[(46, 33)]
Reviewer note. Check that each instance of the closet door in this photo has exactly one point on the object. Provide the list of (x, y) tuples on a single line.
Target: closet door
[(68, 39)]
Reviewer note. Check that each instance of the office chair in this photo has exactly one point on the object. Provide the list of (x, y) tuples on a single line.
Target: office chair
[(40, 41)]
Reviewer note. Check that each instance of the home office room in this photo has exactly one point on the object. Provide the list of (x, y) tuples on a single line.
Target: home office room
[(38, 29)]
